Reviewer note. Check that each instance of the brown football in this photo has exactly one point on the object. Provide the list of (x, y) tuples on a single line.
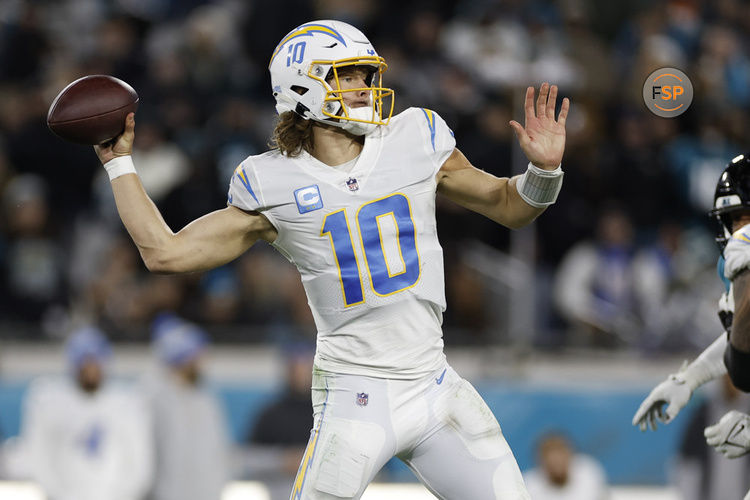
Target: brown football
[(92, 109)]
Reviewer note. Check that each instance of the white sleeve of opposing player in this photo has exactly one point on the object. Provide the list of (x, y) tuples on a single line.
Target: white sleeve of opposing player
[(707, 366), (438, 137), (737, 253), (244, 188)]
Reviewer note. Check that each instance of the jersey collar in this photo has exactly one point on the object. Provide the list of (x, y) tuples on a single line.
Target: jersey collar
[(337, 178)]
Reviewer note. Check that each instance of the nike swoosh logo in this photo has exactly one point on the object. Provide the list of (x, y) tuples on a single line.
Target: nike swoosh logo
[(734, 434), (440, 380)]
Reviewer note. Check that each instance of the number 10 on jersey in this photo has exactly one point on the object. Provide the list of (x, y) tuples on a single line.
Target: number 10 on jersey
[(382, 279)]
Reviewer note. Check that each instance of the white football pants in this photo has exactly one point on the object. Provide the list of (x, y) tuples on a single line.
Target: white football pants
[(439, 426)]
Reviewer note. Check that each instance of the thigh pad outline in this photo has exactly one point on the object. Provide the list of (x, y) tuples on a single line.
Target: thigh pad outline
[(349, 450), (475, 424)]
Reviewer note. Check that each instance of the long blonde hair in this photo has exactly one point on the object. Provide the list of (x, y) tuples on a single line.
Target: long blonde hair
[(292, 134)]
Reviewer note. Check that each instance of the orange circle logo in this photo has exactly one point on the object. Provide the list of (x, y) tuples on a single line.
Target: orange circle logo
[(667, 92)]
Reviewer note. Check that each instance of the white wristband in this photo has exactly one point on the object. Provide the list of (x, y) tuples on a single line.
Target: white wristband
[(119, 165), (538, 187)]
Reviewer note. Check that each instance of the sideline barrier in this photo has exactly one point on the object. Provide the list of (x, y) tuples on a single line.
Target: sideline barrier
[(597, 420)]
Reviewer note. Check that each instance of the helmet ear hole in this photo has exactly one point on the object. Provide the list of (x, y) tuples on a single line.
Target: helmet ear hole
[(299, 89)]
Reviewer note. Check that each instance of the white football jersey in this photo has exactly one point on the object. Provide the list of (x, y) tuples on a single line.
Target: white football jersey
[(365, 243), (736, 257), (737, 253)]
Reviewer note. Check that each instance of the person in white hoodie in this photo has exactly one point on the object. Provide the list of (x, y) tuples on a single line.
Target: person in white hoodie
[(87, 438), (190, 428)]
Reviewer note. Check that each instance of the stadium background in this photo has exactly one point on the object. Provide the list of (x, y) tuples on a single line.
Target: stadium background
[(637, 188)]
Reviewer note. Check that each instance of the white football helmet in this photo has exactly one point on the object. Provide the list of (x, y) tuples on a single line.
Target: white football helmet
[(313, 53)]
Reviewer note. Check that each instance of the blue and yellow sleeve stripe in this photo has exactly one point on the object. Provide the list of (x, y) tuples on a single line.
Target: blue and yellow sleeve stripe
[(739, 236), (430, 116), (242, 175)]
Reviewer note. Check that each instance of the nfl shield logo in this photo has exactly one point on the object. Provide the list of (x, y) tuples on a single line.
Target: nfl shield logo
[(352, 184), (362, 398)]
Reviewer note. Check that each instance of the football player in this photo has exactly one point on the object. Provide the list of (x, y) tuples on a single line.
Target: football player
[(348, 196), (730, 352)]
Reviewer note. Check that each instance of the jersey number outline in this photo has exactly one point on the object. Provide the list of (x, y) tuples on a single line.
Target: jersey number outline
[(382, 281)]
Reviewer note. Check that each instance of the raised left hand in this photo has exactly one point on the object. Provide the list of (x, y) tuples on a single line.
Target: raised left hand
[(543, 138)]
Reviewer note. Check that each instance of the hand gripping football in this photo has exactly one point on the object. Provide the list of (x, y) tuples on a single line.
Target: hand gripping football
[(92, 109)]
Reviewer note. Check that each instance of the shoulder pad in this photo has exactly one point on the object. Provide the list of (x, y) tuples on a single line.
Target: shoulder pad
[(737, 253)]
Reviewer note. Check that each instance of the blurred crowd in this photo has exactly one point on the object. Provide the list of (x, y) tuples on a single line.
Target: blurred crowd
[(624, 259)]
